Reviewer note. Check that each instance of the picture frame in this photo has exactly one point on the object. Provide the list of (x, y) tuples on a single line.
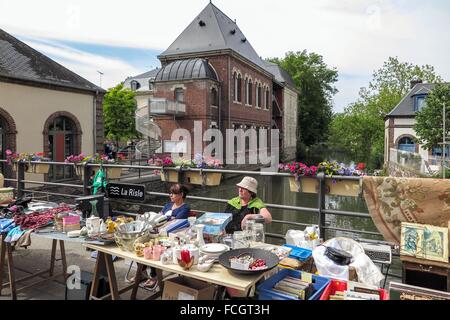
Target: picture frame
[(424, 242)]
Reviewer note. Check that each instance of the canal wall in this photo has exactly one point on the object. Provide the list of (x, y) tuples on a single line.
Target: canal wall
[(396, 170)]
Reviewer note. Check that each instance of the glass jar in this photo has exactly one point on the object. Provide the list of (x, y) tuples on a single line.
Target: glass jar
[(248, 230), (258, 232), (239, 240)]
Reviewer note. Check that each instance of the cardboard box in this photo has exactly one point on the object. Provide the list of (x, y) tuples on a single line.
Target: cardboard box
[(182, 288)]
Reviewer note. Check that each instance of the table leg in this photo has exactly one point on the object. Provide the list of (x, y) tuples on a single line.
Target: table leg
[(12, 276), (2, 262), (52, 257), (99, 265), (111, 276), (62, 250), (137, 280)]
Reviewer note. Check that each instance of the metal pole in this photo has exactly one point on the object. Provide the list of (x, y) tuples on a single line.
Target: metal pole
[(444, 145)]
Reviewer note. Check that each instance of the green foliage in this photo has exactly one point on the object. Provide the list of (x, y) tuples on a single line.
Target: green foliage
[(429, 124), (360, 129), (119, 107), (315, 82)]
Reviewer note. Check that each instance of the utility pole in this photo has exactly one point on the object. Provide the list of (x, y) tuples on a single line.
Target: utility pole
[(444, 145)]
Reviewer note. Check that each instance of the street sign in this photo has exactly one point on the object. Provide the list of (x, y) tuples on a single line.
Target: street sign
[(134, 192)]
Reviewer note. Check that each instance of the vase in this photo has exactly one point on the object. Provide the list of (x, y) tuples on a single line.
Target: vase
[(305, 185)]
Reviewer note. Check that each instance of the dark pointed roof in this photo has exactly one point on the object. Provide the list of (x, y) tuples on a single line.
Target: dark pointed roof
[(212, 30), (186, 70), (280, 74), (405, 107), (21, 62)]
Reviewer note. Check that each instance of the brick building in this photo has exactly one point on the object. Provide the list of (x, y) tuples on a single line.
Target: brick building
[(212, 74)]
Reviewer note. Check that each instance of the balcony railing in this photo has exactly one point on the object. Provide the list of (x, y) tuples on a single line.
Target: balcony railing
[(162, 106)]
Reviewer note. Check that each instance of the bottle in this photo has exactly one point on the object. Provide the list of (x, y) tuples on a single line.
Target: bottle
[(258, 232)]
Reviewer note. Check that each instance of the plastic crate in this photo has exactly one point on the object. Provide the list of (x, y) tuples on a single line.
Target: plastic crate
[(266, 293), (301, 254), (339, 285)]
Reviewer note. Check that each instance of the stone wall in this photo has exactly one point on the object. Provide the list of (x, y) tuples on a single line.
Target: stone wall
[(396, 170)]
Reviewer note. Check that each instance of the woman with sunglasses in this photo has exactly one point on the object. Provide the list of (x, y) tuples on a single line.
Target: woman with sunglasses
[(176, 208)]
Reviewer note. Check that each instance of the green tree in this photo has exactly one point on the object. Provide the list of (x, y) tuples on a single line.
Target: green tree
[(315, 82), (429, 124), (119, 107), (360, 129)]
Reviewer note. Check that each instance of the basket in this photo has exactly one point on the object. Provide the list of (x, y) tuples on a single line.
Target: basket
[(127, 234), (266, 292)]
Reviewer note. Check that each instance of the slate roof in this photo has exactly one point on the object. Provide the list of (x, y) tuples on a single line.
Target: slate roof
[(21, 62), (280, 74), (186, 70), (143, 79), (405, 107), (217, 32)]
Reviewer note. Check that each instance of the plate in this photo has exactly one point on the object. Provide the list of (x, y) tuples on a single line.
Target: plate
[(214, 248), (270, 258)]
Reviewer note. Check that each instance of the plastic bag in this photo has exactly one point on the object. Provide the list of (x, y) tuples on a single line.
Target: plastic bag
[(308, 239), (367, 271)]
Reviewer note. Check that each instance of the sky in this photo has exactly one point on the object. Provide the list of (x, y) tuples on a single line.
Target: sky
[(121, 39)]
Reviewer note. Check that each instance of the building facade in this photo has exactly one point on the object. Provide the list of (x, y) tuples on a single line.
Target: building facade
[(212, 74), (45, 107)]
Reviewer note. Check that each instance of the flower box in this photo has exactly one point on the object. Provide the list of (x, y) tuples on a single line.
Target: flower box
[(41, 168), (343, 187), (206, 178), (113, 173), (305, 185), (169, 175)]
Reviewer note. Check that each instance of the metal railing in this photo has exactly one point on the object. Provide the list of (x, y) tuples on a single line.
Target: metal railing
[(321, 211)]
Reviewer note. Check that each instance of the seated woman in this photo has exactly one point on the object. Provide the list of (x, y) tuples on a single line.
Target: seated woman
[(246, 206), (175, 209)]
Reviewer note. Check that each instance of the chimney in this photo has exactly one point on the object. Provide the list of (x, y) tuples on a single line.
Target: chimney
[(415, 81)]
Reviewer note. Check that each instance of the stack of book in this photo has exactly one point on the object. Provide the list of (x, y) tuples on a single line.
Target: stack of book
[(295, 288), (357, 291)]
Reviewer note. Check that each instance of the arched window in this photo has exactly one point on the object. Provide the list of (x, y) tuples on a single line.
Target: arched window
[(250, 92), (267, 98), (246, 90), (258, 95), (239, 88), (407, 144), (135, 85), (235, 86), (214, 97), (179, 94)]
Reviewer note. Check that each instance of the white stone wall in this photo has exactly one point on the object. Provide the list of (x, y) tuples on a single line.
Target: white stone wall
[(290, 122)]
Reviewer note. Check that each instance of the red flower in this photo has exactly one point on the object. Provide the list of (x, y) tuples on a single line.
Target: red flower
[(361, 166)]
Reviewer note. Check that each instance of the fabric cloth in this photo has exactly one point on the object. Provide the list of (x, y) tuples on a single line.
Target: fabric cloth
[(178, 213), (6, 225), (14, 235), (239, 211), (33, 220), (100, 182), (392, 201)]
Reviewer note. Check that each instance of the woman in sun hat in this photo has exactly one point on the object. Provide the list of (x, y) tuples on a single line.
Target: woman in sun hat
[(246, 206)]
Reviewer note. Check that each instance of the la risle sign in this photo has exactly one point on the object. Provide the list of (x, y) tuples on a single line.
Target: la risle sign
[(134, 192)]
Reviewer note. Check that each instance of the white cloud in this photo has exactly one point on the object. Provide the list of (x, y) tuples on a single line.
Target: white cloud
[(87, 64), (356, 37)]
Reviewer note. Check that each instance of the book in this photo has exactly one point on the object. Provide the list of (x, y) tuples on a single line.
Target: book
[(401, 291), (214, 222)]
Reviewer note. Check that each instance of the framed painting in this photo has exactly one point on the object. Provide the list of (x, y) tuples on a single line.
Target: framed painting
[(424, 241)]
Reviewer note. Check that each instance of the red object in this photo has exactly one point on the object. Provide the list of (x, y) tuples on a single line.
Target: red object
[(59, 147), (185, 256), (361, 166), (339, 285)]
